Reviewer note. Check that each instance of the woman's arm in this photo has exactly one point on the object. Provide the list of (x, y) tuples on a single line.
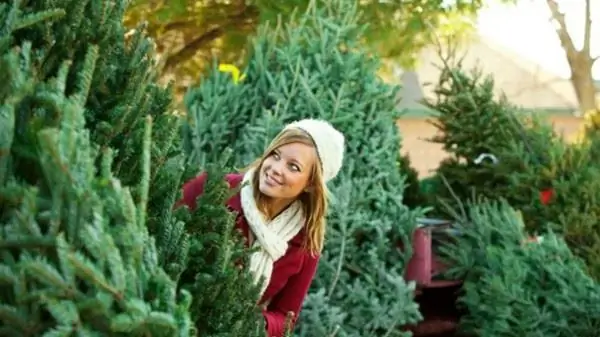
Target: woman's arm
[(290, 298), (191, 191)]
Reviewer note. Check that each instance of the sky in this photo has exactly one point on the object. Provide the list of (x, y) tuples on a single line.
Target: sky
[(526, 29)]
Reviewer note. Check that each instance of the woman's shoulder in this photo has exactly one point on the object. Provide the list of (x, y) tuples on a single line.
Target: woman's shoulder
[(194, 187), (234, 179)]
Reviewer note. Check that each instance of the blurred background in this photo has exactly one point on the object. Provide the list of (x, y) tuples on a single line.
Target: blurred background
[(541, 53)]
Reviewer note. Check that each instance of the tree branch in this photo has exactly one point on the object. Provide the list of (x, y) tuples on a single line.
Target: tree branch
[(189, 50), (587, 33), (561, 31)]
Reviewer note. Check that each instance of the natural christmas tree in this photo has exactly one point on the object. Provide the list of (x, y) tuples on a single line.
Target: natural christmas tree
[(224, 302), (122, 91), (76, 80), (568, 170), (76, 255), (523, 160), (473, 126), (314, 67), (516, 286)]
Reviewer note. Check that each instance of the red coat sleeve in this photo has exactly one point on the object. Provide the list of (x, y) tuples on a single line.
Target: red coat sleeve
[(290, 298), (191, 191)]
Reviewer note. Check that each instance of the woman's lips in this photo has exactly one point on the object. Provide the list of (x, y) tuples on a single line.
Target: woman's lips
[(271, 181)]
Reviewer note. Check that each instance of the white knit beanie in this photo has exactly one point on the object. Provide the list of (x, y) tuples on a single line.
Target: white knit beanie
[(329, 143)]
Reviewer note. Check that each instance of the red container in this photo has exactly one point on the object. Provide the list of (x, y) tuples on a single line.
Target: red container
[(424, 265)]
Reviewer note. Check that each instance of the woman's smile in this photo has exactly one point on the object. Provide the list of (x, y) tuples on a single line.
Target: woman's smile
[(272, 181)]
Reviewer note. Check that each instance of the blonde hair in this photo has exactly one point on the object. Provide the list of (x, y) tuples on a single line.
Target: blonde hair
[(314, 201)]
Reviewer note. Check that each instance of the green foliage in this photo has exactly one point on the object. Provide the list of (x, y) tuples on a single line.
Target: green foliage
[(313, 67), (122, 90), (514, 287), (471, 122), (531, 158), (224, 302), (76, 255), (396, 29), (572, 172), (78, 203), (413, 196)]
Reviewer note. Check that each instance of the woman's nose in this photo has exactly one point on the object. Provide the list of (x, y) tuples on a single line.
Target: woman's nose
[(277, 168)]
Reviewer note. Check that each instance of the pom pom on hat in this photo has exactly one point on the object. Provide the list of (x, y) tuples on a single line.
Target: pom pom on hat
[(329, 143)]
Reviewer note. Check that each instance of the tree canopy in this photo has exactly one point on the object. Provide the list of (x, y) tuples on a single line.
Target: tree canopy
[(189, 33)]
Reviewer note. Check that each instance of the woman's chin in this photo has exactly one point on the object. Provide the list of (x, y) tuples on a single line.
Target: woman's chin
[(267, 190)]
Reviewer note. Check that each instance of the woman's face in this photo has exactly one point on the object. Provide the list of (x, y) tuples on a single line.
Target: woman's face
[(286, 173)]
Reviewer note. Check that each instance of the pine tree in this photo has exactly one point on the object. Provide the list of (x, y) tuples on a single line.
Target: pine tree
[(75, 75), (314, 67), (473, 128), (224, 302), (76, 255), (122, 91), (516, 287), (531, 159)]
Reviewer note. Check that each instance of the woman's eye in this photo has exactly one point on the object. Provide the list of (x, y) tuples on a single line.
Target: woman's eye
[(295, 168), (276, 156)]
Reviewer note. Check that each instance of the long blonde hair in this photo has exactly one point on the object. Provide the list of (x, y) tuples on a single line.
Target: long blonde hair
[(314, 201)]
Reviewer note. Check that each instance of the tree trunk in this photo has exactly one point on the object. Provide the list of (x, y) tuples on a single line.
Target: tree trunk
[(580, 61), (583, 83)]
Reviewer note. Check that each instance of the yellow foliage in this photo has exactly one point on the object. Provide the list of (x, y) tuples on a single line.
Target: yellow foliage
[(233, 70)]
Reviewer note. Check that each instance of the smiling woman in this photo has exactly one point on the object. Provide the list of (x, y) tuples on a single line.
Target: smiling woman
[(281, 211)]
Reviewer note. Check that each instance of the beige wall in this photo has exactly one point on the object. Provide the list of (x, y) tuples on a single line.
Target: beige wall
[(425, 156)]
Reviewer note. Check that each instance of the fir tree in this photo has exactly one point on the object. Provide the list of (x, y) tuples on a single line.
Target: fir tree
[(122, 91), (224, 302), (473, 128), (73, 65), (529, 160), (76, 255), (516, 287), (413, 195), (314, 67)]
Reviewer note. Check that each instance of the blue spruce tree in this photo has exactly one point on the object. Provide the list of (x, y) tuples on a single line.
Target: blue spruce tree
[(314, 67)]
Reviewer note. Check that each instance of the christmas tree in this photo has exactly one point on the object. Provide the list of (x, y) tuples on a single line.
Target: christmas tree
[(76, 255), (122, 91), (224, 302), (314, 67), (474, 126), (499, 151), (516, 286), (80, 169)]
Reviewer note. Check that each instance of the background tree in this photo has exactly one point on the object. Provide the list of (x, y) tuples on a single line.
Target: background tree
[(190, 32), (514, 286), (581, 61), (314, 66)]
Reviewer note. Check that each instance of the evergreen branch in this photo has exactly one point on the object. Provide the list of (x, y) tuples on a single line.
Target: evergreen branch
[(10, 315), (32, 19), (28, 243), (86, 75), (145, 179), (86, 270), (340, 263)]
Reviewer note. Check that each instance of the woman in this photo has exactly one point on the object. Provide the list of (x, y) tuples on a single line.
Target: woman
[(281, 209)]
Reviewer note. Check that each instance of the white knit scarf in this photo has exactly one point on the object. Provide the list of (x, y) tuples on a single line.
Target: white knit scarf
[(271, 236)]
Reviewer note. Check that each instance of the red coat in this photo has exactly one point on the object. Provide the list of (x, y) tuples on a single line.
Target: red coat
[(292, 274)]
